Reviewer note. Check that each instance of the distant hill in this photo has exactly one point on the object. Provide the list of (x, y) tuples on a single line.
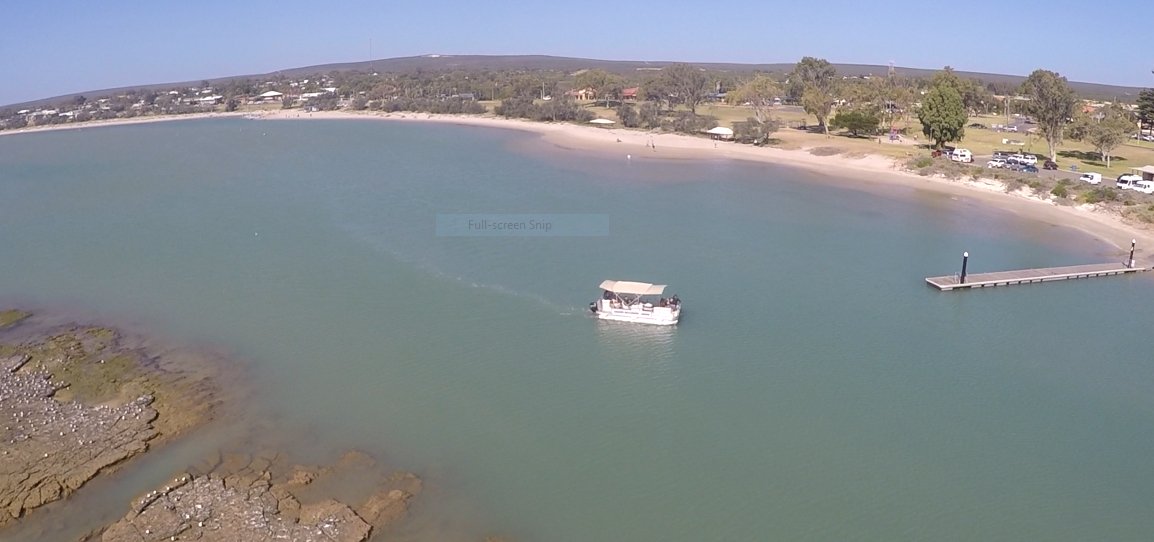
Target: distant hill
[(567, 64)]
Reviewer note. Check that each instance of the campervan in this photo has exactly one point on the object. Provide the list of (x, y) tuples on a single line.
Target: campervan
[(962, 155), (1145, 187), (1126, 181), (1092, 178)]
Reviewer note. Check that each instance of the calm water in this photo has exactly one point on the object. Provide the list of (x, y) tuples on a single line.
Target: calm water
[(816, 389)]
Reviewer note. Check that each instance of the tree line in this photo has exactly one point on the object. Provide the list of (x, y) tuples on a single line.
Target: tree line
[(669, 99)]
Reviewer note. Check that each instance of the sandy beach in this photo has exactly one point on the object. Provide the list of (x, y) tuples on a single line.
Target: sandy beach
[(636, 144)]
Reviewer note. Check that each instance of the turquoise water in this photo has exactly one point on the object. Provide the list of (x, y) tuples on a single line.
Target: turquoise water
[(816, 389)]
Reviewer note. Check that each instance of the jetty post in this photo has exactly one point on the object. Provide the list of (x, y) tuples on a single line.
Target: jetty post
[(1130, 263), (965, 260)]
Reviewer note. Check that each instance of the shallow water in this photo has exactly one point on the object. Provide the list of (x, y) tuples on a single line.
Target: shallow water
[(816, 388)]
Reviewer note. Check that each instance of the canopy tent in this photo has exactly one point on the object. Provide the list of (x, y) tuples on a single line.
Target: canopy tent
[(601, 121), (271, 94), (632, 288), (720, 130)]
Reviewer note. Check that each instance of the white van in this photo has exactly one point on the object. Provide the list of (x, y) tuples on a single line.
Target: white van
[(962, 155), (1092, 178), (1126, 182), (1145, 187)]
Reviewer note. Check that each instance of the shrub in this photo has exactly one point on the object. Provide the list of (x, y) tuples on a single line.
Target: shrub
[(1060, 191), (921, 162), (1100, 194), (688, 123)]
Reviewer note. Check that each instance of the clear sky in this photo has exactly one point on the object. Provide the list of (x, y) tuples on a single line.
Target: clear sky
[(54, 47)]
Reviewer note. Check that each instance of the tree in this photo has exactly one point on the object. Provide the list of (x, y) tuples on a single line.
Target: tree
[(232, 104), (1051, 104), (688, 83), (857, 121), (628, 116), (654, 90), (650, 114), (810, 71), (1146, 108), (818, 103), (817, 79), (603, 83), (753, 131), (1079, 130), (1110, 132), (943, 115), (759, 93)]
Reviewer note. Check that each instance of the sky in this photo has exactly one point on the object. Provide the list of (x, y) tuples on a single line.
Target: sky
[(55, 47)]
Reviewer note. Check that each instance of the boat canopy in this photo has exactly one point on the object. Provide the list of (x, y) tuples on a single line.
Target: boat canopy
[(632, 288)]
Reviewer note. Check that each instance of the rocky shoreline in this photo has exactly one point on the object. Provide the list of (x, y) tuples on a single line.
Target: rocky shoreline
[(77, 402), (265, 498)]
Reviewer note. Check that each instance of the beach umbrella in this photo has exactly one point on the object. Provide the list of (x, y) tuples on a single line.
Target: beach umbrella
[(720, 130), (604, 122)]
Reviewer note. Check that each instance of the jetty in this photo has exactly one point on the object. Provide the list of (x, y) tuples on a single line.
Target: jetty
[(1029, 276)]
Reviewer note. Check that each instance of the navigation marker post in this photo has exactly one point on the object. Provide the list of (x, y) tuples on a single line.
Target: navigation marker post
[(965, 260)]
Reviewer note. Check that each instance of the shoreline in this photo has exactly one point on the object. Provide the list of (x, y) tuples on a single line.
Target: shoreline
[(1102, 224)]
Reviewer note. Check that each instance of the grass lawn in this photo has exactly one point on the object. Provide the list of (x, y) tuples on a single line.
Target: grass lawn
[(980, 141)]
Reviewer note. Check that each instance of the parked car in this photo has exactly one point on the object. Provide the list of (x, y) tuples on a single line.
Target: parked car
[(1003, 154), (996, 163), (962, 155), (1029, 169), (1127, 181), (977, 125), (1050, 164), (1092, 178), (1010, 128), (1148, 138)]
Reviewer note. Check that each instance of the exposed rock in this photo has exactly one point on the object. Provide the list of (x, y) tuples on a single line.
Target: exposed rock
[(75, 403), (51, 448), (10, 318), (252, 502)]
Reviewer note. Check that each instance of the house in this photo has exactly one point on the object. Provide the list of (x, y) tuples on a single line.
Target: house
[(270, 96), (630, 94), (210, 100), (586, 93)]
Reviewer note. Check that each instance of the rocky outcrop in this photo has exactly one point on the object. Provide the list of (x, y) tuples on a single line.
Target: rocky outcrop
[(259, 498), (74, 404), (51, 448)]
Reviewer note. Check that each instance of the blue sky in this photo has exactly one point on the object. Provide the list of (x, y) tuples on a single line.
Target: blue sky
[(55, 47)]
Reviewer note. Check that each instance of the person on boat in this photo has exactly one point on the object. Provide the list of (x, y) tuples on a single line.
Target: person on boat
[(607, 295), (662, 302), (675, 300)]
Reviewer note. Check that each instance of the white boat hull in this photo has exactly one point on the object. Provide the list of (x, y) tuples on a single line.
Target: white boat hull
[(640, 313)]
